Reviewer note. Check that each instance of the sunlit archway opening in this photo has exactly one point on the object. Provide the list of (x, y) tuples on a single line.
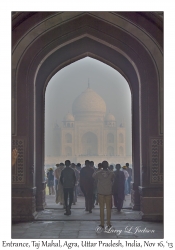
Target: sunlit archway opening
[(104, 109), (88, 115)]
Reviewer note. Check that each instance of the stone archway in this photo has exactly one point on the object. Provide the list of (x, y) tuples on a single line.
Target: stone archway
[(43, 43)]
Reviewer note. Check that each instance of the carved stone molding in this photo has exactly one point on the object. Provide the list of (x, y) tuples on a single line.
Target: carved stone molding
[(18, 171), (156, 160)]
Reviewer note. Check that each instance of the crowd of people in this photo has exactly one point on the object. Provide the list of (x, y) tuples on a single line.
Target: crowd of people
[(101, 185), (97, 185)]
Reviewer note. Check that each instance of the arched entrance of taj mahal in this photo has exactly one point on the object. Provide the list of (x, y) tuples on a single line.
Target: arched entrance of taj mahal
[(89, 144), (45, 42)]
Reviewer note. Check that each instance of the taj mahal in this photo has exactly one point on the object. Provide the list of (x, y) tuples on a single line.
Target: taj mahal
[(89, 132)]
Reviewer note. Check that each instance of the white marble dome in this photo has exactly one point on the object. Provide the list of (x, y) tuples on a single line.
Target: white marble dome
[(89, 102)]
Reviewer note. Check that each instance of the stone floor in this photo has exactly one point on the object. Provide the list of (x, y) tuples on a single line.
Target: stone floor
[(82, 215), (86, 230), (50, 201), (53, 224), (55, 212)]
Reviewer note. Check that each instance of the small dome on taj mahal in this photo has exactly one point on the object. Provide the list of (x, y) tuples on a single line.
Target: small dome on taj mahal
[(110, 117), (69, 117)]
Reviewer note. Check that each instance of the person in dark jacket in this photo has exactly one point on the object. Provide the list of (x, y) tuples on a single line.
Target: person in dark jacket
[(68, 180), (94, 186), (111, 167), (50, 181), (86, 185), (119, 188)]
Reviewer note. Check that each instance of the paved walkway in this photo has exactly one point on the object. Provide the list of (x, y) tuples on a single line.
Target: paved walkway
[(53, 224), (50, 200), (55, 212)]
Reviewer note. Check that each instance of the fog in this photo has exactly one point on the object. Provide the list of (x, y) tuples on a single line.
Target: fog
[(72, 80)]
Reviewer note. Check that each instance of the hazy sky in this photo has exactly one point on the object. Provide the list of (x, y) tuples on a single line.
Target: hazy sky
[(72, 80)]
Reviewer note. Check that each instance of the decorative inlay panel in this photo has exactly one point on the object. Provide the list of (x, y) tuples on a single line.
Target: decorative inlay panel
[(156, 163), (18, 172)]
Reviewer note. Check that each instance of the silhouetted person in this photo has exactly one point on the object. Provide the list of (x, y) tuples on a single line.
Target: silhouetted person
[(104, 179), (60, 193), (50, 181), (86, 184), (119, 188), (126, 179), (99, 166), (78, 167), (95, 182), (94, 186), (111, 167), (77, 174), (68, 180), (57, 177), (79, 192), (129, 170), (92, 165)]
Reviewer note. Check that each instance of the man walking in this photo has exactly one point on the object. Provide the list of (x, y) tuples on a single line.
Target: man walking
[(104, 179), (86, 185), (68, 180), (119, 188), (94, 186)]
